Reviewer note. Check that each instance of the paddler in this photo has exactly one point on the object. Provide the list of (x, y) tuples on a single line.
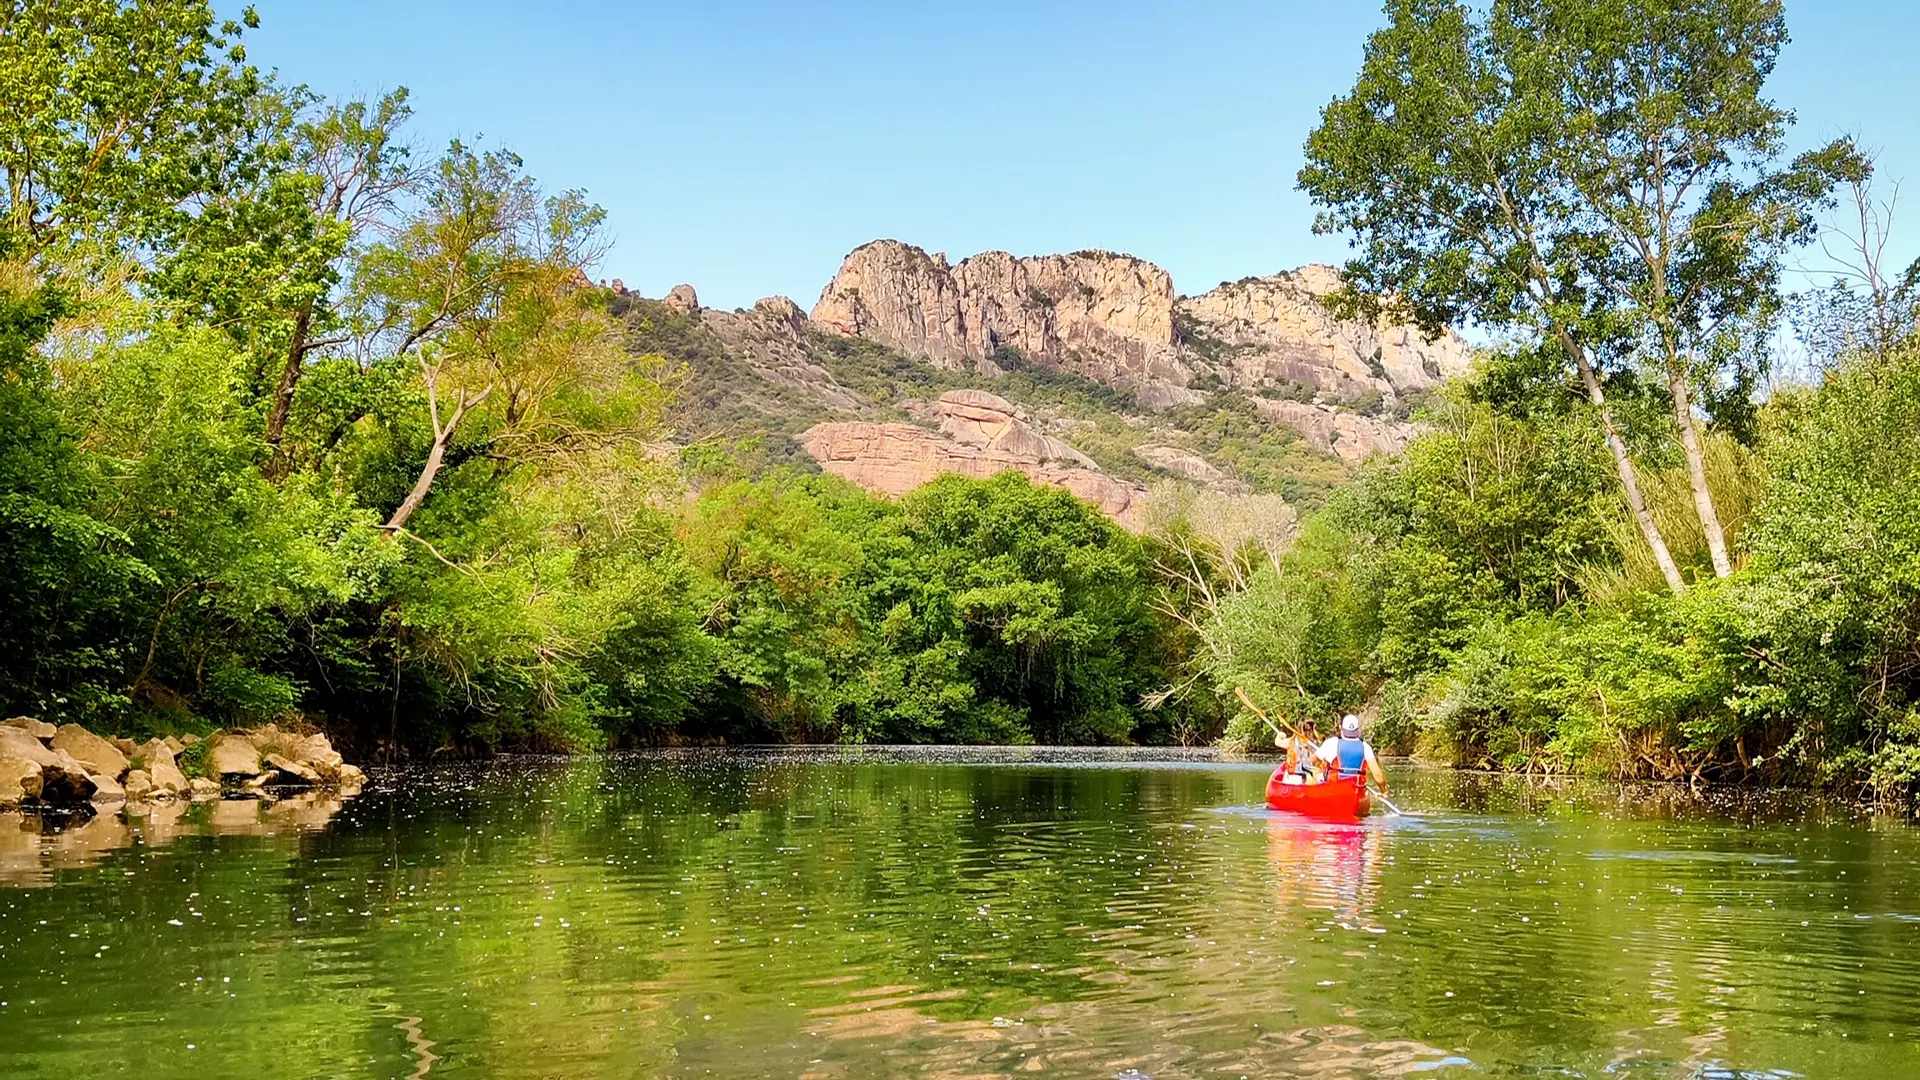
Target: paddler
[(1301, 768), (1347, 754)]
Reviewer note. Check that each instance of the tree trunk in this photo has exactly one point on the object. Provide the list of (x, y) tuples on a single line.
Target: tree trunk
[(436, 456), (1697, 471), (418, 495), (1623, 463), (289, 379)]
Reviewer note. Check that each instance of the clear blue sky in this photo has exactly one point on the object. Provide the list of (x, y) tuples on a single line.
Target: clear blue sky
[(745, 146)]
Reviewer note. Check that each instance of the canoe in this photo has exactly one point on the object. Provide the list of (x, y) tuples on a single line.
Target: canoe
[(1338, 800)]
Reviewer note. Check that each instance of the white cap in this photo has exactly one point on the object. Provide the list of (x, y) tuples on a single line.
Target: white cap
[(1349, 725)]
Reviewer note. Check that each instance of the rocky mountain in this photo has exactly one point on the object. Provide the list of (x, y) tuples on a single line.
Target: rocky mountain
[(1087, 371), (1116, 319)]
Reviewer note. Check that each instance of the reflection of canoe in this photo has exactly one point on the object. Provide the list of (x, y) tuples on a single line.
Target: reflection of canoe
[(1337, 799)]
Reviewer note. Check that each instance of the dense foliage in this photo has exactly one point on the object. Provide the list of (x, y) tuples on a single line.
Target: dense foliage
[(1557, 576), (296, 421), (299, 421)]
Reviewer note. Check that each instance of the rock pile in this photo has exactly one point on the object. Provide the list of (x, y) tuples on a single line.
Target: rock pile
[(44, 765)]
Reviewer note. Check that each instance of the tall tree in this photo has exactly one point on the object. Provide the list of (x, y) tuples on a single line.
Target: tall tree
[(264, 253), (485, 287), (112, 112), (1602, 172)]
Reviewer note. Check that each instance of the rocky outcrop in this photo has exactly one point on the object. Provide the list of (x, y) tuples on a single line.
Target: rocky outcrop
[(73, 766), (1117, 319), (837, 384), (682, 298), (1350, 436), (1188, 466), (18, 777), (1276, 331), (101, 757), (233, 755), (39, 729), (155, 759), (67, 783), (900, 296), (56, 778), (977, 434), (1106, 316), (771, 337), (138, 785)]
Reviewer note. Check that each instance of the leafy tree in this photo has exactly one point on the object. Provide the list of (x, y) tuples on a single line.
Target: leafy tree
[(485, 287), (264, 253), (1835, 537), (1601, 173), (115, 113)]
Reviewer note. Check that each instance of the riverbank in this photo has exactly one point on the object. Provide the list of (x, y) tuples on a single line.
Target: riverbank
[(68, 766)]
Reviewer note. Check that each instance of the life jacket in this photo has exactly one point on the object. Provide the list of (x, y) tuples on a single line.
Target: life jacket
[(1351, 757), (1300, 757)]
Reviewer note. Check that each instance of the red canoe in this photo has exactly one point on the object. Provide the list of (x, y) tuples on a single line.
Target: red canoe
[(1336, 800)]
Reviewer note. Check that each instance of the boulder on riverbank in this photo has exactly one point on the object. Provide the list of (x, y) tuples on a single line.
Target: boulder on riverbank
[(45, 765), (233, 755), (101, 757), (37, 728)]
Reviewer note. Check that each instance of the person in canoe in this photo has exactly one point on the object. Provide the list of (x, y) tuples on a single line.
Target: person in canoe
[(1348, 754), (1303, 766)]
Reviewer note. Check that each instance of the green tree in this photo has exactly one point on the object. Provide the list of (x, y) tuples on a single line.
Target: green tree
[(113, 114), (1601, 173), (485, 288), (1837, 536), (265, 254)]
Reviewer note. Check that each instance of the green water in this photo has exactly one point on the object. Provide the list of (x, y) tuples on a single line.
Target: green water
[(857, 915)]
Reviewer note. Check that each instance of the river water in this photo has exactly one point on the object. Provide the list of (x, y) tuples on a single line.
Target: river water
[(865, 913)]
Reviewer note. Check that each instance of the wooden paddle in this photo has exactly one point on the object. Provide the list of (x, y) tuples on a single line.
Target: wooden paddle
[(1248, 702), (1382, 796)]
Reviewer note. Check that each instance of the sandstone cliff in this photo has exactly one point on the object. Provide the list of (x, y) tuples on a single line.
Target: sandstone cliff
[(1117, 319), (906, 366), (978, 435)]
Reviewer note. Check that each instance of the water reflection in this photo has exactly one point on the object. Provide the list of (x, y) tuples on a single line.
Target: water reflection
[(865, 913), (1322, 868), (34, 848)]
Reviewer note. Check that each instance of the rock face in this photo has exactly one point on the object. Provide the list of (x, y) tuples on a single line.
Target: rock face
[(1106, 316), (97, 754), (64, 783), (771, 337), (39, 729), (106, 789), (16, 776), (1352, 437), (683, 298), (978, 435), (155, 759), (839, 385), (289, 773), (138, 786), (1275, 331), (1188, 466), (61, 780), (233, 755), (1117, 319)]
